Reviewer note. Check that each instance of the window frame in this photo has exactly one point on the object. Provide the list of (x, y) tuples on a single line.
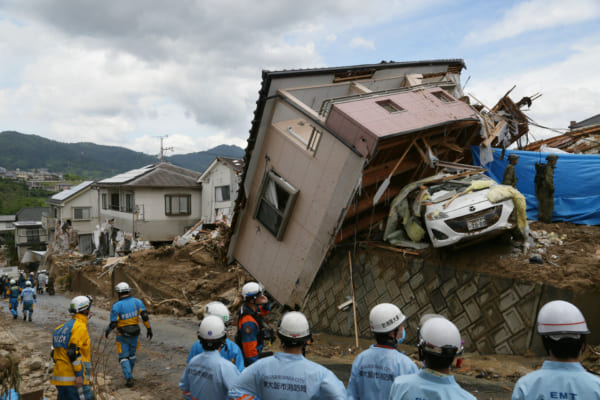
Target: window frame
[(285, 215), (442, 96), (228, 193), (169, 206), (89, 210), (105, 201), (112, 205)]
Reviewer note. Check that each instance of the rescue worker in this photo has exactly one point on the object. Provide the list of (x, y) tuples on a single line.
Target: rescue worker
[(27, 298), (374, 370), (72, 353), (229, 351), (438, 343), (288, 375), (22, 280), (208, 375), (563, 330), (124, 316), (42, 281), (252, 332), (13, 298), (544, 189), (510, 176)]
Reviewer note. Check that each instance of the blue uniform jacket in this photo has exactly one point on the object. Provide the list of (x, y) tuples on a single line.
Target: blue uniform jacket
[(558, 380), (427, 384), (289, 377), (230, 351), (374, 371), (127, 312), (208, 376)]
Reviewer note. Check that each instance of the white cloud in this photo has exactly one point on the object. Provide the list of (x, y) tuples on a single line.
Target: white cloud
[(570, 89), (536, 15), (362, 43)]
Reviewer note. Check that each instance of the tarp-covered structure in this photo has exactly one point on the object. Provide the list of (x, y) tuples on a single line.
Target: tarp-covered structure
[(576, 182)]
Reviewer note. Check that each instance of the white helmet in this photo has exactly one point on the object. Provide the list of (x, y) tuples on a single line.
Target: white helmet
[(122, 287), (294, 325), (385, 317), (80, 303), (13, 282), (439, 336), (252, 289), (27, 283), (560, 318), (217, 309), (212, 328)]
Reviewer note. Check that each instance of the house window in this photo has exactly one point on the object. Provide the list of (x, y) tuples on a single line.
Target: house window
[(33, 235), (390, 106), (114, 201), (277, 198), (105, 201), (443, 97), (222, 193), (81, 213), (128, 200), (178, 204), (55, 212)]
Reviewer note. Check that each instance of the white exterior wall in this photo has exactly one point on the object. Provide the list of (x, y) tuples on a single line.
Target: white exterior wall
[(151, 223), (325, 183), (89, 199), (219, 175)]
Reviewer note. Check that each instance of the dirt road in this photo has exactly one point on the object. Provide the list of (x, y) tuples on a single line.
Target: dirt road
[(161, 361)]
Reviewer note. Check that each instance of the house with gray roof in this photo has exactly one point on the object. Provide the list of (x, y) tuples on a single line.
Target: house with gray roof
[(154, 203), (29, 231)]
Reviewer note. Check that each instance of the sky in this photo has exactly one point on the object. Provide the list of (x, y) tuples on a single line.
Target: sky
[(125, 73)]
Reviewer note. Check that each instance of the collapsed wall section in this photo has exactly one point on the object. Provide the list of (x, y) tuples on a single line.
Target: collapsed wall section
[(494, 314)]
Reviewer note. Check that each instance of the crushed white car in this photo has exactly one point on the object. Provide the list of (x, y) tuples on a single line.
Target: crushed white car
[(454, 209)]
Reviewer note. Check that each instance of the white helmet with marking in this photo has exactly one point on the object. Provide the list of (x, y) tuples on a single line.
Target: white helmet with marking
[(212, 328), (561, 319), (252, 289), (122, 287), (294, 327), (217, 309), (80, 303), (385, 317), (438, 336)]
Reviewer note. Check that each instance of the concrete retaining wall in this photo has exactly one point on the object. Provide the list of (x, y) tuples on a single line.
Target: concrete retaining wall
[(494, 315)]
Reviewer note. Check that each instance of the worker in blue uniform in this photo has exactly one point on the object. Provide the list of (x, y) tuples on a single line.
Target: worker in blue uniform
[(563, 330), (22, 280), (288, 375), (124, 316), (374, 370), (13, 298), (229, 351), (439, 343), (252, 332), (4, 285), (27, 298), (208, 375)]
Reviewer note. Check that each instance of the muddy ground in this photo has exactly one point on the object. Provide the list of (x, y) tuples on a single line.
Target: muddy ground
[(176, 282)]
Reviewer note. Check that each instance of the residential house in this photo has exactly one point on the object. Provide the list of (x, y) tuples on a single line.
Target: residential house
[(6, 226), (153, 203), (220, 183), (324, 141), (74, 213), (34, 184), (29, 232)]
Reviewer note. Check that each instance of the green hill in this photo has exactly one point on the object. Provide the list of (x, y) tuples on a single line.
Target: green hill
[(89, 160)]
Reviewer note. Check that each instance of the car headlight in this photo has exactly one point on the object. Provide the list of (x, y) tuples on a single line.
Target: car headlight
[(435, 215)]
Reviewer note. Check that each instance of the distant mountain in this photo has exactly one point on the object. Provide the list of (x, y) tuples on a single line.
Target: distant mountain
[(89, 160)]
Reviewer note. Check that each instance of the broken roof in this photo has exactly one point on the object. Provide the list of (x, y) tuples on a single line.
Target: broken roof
[(235, 164), (595, 120), (65, 195), (157, 175)]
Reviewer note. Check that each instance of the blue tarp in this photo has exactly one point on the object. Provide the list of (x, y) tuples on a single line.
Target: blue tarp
[(576, 183)]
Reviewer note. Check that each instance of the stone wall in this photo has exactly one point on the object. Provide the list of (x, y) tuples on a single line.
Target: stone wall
[(494, 315)]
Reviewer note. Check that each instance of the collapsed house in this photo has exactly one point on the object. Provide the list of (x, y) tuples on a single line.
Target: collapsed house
[(329, 149), (582, 138)]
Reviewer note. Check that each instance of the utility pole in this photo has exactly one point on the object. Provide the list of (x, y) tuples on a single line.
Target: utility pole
[(161, 156)]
